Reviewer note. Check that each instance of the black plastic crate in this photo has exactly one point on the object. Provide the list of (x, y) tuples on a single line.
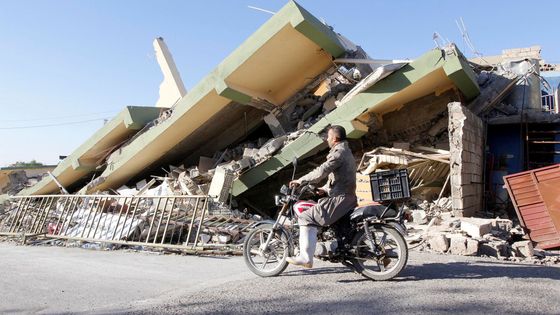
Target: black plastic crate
[(389, 185)]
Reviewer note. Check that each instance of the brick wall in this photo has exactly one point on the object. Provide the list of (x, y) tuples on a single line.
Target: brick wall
[(466, 141), (533, 52)]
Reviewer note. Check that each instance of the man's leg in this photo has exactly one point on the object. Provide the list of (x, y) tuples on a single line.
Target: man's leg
[(307, 244)]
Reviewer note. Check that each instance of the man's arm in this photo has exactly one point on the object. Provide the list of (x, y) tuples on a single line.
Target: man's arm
[(332, 163)]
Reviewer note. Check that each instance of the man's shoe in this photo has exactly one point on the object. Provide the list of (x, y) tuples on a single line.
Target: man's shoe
[(299, 261)]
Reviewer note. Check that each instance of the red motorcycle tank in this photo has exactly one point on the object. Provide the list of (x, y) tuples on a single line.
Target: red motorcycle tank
[(301, 206)]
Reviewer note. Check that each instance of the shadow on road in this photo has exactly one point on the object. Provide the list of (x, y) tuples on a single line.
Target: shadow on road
[(451, 270), (463, 270)]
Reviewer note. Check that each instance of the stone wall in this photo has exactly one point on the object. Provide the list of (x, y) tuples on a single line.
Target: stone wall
[(466, 141)]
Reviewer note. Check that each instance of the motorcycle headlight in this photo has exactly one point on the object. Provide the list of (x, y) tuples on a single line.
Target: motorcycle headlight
[(278, 200)]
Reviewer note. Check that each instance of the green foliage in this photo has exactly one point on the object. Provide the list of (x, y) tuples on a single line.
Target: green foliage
[(31, 163)]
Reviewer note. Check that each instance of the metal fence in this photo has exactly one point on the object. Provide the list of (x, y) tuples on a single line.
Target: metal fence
[(154, 221), (548, 103)]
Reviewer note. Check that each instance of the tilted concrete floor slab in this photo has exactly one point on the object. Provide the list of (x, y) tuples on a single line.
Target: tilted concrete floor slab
[(279, 59), (89, 155), (436, 71)]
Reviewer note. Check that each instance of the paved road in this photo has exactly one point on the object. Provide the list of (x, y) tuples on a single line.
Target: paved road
[(52, 280)]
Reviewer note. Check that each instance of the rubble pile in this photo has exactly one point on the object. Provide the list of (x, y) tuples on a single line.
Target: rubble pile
[(497, 238), (214, 174), (13, 181)]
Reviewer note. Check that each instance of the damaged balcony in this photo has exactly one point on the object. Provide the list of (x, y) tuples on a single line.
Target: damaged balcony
[(230, 102), (92, 153)]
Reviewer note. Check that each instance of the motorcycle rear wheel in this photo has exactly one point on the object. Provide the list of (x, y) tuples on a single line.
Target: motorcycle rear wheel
[(258, 258), (389, 260)]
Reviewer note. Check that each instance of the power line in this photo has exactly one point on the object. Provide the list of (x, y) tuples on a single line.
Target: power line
[(57, 117), (52, 125)]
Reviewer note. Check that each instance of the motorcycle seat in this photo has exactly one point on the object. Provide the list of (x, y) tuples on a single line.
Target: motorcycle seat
[(372, 211)]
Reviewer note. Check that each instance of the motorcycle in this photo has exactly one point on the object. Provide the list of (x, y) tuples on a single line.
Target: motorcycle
[(368, 239)]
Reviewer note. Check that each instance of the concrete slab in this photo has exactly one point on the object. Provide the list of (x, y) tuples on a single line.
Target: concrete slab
[(89, 155)]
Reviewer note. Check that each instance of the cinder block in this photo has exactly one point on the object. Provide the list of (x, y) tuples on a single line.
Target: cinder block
[(523, 249), (476, 227), (458, 245), (438, 243), (472, 247)]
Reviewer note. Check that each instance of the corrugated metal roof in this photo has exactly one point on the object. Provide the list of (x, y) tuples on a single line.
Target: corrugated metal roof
[(535, 195)]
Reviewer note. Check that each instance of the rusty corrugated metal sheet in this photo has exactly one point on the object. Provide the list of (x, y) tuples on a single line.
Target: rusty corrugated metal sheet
[(535, 194)]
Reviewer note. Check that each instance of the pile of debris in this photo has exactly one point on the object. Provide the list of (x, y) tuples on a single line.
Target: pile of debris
[(13, 181), (497, 238), (213, 175)]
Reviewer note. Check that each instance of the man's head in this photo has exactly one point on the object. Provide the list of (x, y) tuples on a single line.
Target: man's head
[(335, 135)]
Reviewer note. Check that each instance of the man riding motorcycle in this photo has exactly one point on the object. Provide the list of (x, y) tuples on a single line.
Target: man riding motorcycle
[(340, 167)]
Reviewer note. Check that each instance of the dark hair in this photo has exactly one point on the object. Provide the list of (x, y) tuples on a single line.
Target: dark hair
[(339, 132)]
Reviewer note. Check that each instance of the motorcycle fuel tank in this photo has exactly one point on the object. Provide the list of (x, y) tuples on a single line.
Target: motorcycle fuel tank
[(301, 206)]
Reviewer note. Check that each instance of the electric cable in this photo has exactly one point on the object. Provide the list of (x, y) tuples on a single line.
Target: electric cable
[(53, 125)]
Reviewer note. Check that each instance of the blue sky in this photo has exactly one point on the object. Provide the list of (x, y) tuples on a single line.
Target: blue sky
[(83, 61)]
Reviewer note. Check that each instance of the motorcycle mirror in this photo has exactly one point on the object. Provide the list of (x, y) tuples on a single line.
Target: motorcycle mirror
[(294, 163)]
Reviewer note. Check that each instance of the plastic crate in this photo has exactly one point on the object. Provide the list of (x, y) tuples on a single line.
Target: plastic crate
[(389, 185)]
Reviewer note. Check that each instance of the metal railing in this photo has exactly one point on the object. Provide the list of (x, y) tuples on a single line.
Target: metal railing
[(154, 221), (549, 104)]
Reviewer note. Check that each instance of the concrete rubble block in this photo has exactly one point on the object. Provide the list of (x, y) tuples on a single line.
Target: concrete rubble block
[(272, 146), (329, 104), (274, 124), (438, 242), (523, 249), (419, 217), (458, 245), (221, 184), (476, 227), (141, 184), (205, 164), (472, 247), (204, 238), (496, 248), (194, 172), (245, 163), (250, 153), (221, 238), (504, 225), (188, 186)]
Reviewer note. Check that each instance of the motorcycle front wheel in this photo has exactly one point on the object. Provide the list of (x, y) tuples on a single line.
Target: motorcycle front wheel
[(380, 256), (270, 261)]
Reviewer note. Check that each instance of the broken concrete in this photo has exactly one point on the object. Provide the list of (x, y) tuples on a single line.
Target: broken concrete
[(476, 227), (438, 243)]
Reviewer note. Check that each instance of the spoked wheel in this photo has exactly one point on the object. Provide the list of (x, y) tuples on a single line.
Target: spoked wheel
[(270, 261), (381, 255)]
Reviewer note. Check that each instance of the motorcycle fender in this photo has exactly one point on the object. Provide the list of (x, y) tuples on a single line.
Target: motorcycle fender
[(401, 229)]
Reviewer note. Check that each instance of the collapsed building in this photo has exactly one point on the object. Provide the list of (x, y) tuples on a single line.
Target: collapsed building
[(202, 166)]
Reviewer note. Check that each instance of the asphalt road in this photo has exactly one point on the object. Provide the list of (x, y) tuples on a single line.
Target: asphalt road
[(54, 280)]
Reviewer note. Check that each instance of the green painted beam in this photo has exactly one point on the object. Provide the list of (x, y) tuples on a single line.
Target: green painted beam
[(452, 63), (123, 126)]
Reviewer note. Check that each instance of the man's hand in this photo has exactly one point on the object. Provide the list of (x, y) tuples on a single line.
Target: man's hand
[(295, 183), (320, 192)]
